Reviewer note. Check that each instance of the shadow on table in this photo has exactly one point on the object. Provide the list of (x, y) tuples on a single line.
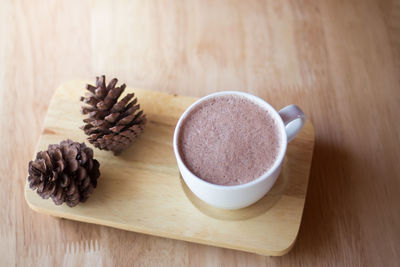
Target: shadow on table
[(328, 192)]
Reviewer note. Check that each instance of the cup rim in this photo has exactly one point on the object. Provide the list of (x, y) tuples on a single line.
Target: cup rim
[(255, 99)]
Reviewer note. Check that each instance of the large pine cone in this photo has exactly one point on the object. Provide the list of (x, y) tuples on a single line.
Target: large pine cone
[(66, 172), (111, 124)]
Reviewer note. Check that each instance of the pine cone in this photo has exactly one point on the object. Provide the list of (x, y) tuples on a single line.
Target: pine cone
[(66, 172), (111, 124)]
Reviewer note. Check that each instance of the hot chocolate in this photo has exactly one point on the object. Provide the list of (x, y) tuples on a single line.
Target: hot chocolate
[(229, 140)]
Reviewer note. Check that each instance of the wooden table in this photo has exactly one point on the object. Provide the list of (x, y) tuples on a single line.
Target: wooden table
[(339, 61)]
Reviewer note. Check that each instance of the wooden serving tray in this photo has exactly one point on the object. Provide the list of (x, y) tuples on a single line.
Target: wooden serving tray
[(141, 189)]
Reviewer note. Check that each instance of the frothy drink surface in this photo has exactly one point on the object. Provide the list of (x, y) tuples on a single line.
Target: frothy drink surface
[(229, 140)]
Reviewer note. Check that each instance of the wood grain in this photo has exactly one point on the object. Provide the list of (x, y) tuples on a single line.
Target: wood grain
[(141, 190), (339, 61)]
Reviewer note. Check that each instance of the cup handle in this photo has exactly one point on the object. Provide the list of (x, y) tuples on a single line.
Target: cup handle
[(294, 119)]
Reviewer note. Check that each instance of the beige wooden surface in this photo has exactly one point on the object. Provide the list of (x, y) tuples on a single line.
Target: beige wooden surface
[(340, 61), (141, 189)]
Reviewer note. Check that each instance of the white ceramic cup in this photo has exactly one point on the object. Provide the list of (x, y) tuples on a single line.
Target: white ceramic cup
[(290, 120)]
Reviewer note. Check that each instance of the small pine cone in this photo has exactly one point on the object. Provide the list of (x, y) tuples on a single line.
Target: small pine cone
[(111, 124), (66, 172)]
